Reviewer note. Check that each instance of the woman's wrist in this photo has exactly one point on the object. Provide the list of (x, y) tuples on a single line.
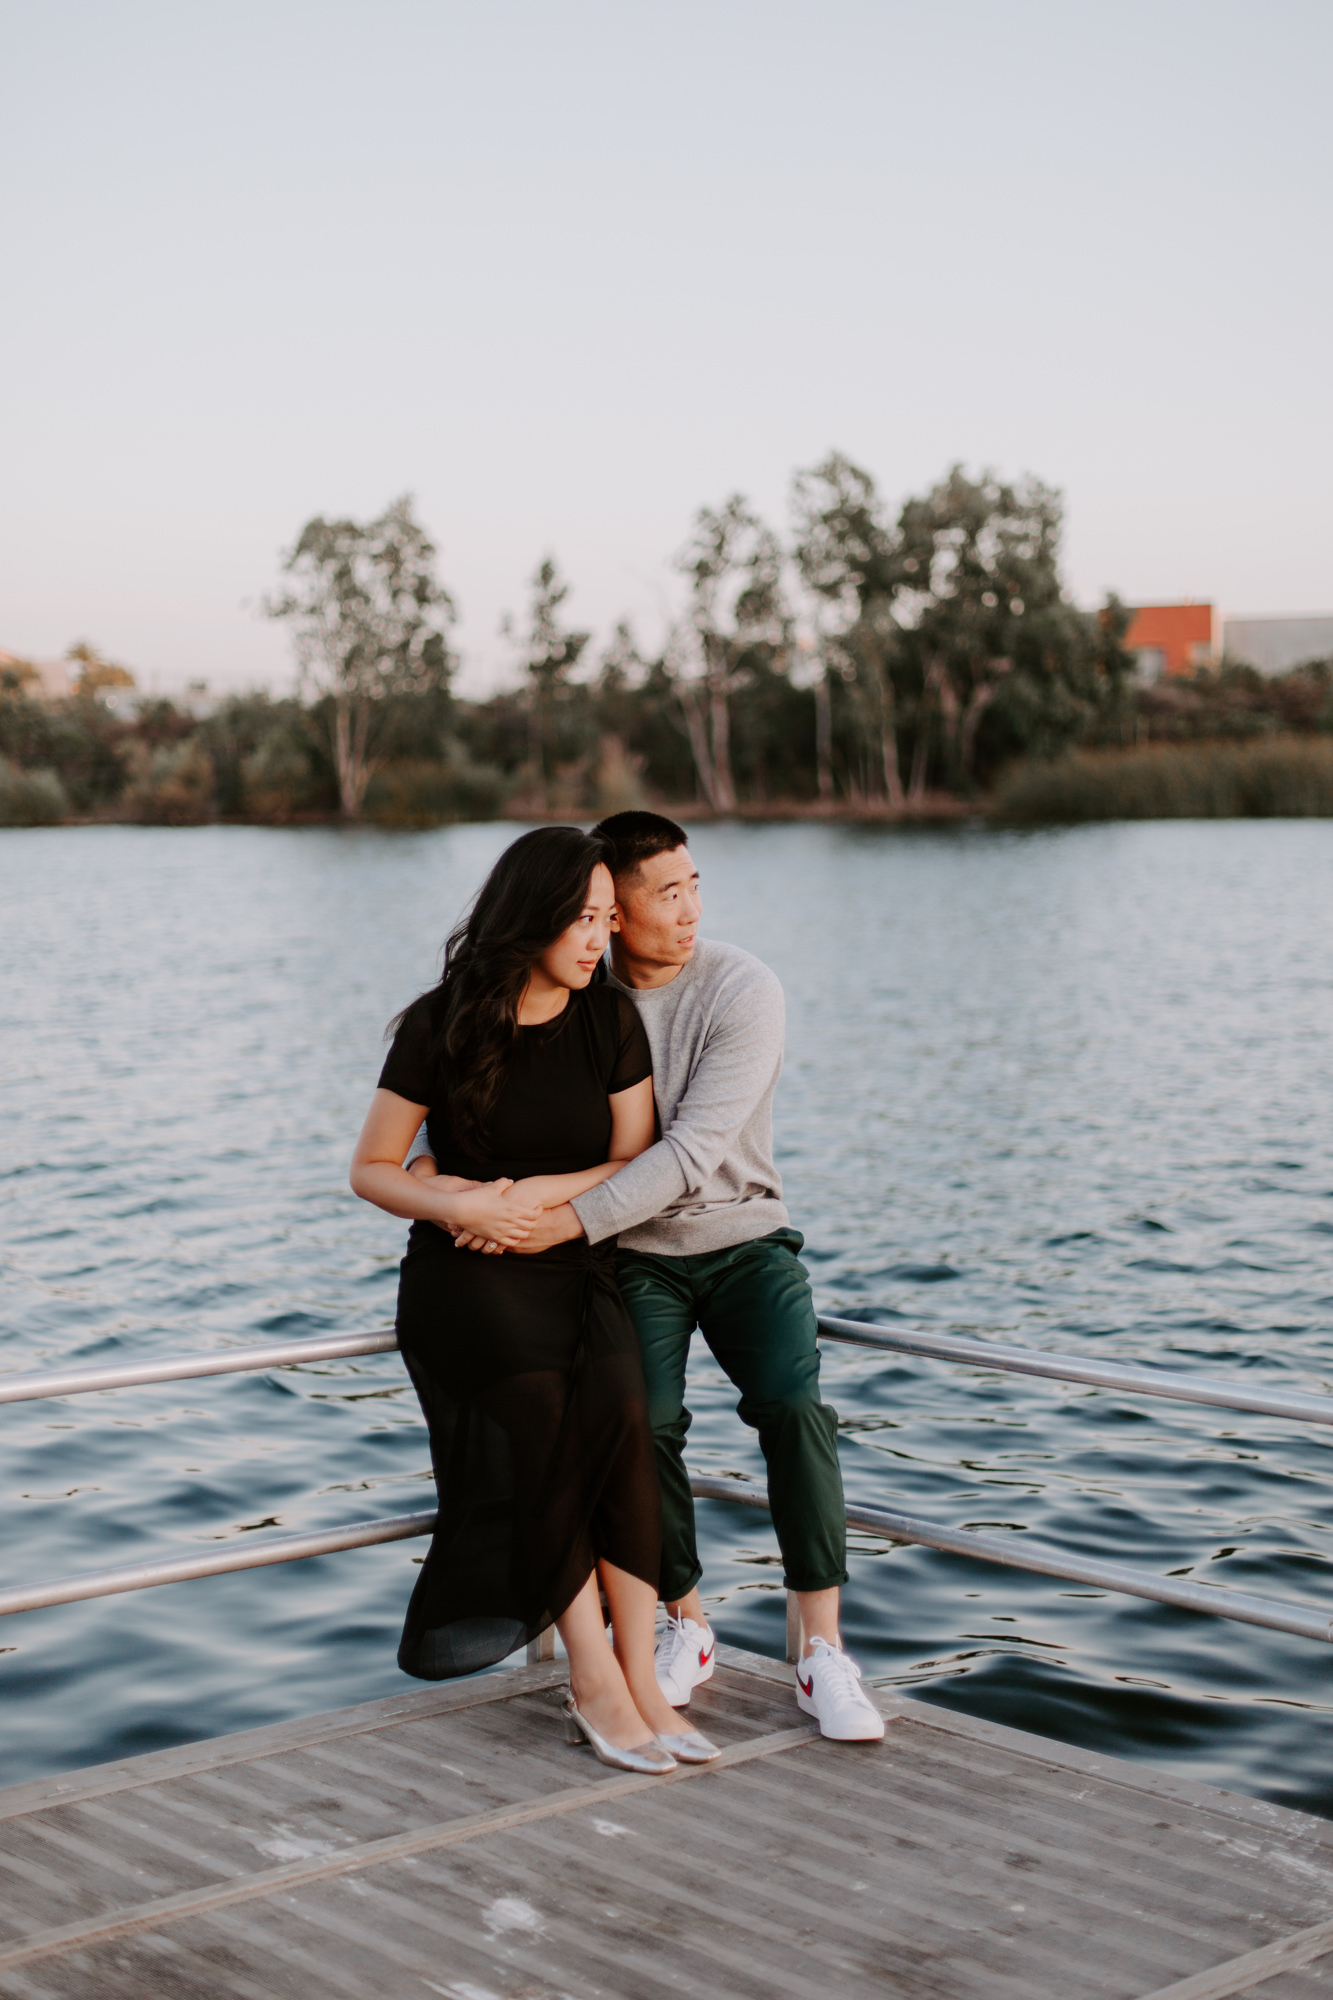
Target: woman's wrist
[(448, 1213)]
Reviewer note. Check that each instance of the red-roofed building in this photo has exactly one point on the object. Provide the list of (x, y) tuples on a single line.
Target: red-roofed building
[(1173, 639)]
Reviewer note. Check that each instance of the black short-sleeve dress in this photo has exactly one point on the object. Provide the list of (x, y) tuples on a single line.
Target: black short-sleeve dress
[(527, 1367)]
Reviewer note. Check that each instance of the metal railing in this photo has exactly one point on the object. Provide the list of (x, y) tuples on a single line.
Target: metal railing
[(1133, 1376), (187, 1367), (249, 1554), (1015, 1551)]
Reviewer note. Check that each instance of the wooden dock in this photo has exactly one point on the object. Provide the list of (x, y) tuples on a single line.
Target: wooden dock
[(448, 1841)]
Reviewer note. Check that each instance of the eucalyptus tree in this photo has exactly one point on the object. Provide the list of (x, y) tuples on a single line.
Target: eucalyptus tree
[(987, 627), (370, 621), (848, 560), (550, 652), (617, 692), (737, 607), (622, 665)]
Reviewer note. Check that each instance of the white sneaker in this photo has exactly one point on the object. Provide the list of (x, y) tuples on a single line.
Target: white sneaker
[(828, 1685), (683, 1659)]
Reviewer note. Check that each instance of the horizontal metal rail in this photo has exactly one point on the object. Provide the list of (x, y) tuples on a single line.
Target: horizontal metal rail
[(185, 1367), (1307, 1621), (249, 1554), (1131, 1376)]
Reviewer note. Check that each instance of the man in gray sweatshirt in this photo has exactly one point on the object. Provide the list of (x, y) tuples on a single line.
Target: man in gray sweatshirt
[(704, 1241)]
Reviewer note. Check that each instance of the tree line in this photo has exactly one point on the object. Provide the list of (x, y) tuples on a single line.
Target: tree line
[(861, 657), (861, 661)]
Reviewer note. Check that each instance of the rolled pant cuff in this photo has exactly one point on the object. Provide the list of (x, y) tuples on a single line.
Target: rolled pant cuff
[(817, 1583), (671, 1595)]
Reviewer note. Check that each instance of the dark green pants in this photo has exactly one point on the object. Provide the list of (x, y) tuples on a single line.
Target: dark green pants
[(752, 1304)]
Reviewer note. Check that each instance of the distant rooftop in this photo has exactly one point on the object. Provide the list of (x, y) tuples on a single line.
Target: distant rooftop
[(1172, 641), (54, 678), (1275, 645)]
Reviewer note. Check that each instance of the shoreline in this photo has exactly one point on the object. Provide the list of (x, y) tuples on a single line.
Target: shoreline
[(936, 809), (1274, 777)]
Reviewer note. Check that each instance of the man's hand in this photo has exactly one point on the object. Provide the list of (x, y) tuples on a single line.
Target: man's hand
[(491, 1241), (553, 1225)]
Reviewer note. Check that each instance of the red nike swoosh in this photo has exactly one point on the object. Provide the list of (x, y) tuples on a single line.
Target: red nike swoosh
[(704, 1658), (805, 1686)]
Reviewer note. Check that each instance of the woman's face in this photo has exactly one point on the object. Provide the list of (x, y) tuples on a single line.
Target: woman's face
[(572, 959)]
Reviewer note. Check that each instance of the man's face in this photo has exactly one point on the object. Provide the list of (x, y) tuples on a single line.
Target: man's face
[(658, 908)]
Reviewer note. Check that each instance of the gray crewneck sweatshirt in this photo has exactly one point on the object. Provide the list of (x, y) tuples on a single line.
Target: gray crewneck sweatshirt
[(715, 1032)]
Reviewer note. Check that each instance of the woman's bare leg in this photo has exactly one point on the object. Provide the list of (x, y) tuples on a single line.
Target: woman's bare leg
[(595, 1676), (633, 1613)]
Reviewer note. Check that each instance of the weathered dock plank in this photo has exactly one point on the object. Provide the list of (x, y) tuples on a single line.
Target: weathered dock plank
[(449, 1841)]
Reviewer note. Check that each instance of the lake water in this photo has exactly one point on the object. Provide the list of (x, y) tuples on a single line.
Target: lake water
[(1070, 1089)]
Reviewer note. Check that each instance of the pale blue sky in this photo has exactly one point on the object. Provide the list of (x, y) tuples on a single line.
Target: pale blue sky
[(566, 271)]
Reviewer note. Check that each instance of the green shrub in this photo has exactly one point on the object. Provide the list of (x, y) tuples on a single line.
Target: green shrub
[(428, 791), (1279, 777), (79, 740), (31, 798), (268, 762), (170, 786), (278, 780)]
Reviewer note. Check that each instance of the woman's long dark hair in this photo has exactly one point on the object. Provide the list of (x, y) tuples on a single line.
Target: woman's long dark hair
[(535, 891)]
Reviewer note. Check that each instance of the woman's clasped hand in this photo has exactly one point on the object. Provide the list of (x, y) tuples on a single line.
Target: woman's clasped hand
[(504, 1221), (488, 1218)]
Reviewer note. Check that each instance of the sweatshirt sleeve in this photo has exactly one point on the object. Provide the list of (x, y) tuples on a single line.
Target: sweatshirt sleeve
[(654, 1181), (737, 1066)]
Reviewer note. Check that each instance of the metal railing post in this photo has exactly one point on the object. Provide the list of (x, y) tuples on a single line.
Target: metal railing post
[(794, 1632)]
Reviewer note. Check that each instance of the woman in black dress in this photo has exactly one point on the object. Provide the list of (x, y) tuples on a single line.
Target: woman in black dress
[(535, 1082)]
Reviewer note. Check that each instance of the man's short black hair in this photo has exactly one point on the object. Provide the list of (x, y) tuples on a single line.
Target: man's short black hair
[(635, 837)]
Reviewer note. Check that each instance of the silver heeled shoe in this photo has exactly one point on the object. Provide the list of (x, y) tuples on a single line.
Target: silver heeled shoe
[(649, 1759), (691, 1748)]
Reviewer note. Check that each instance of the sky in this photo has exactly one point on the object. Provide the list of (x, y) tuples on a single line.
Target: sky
[(567, 270)]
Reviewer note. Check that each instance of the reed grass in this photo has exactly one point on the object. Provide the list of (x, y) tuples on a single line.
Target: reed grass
[(426, 791), (31, 798), (1282, 777)]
